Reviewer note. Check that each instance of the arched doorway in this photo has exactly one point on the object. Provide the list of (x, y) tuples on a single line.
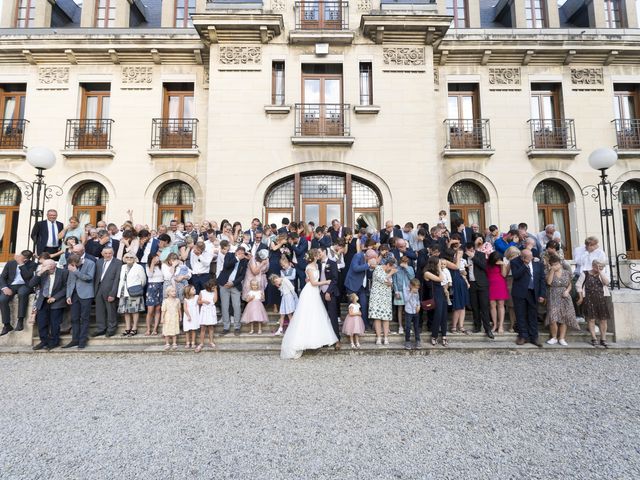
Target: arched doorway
[(466, 201), (629, 197), (175, 201), (321, 197), (90, 203), (10, 198), (552, 201)]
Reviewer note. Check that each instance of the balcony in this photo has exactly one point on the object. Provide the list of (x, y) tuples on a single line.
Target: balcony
[(88, 138), (553, 137), (322, 124), (174, 137), (628, 136), (320, 21), (12, 134), (467, 137)]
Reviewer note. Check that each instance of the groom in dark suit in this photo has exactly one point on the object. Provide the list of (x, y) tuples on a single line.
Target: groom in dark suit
[(330, 293)]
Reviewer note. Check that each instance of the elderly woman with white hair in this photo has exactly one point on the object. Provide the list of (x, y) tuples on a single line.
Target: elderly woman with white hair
[(256, 270), (594, 296)]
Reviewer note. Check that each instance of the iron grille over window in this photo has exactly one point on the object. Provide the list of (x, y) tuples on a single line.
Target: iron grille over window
[(281, 196), (322, 186), (176, 193), (9, 195), (91, 195), (466, 193), (550, 193), (363, 196)]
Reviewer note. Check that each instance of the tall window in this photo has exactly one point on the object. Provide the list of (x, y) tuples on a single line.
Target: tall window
[(175, 201), (458, 9), (25, 13), (184, 10), (612, 13), (94, 116), (366, 84), (277, 83), (105, 13), (630, 199), (463, 112), (12, 100), (90, 203), (178, 116), (9, 211), (534, 13), (466, 201), (625, 107), (552, 200)]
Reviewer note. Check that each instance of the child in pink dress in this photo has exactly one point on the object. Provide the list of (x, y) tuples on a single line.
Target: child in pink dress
[(254, 312), (353, 324)]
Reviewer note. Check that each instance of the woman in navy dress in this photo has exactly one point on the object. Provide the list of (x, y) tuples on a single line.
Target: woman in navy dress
[(434, 277), (453, 259), (277, 249)]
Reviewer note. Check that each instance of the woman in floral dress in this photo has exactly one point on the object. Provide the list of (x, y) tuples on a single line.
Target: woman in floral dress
[(380, 300), (560, 311)]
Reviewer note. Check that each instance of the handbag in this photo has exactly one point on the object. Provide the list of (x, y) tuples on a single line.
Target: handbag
[(134, 290), (429, 304)]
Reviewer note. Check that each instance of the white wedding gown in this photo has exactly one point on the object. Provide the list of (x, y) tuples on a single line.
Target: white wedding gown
[(310, 327)]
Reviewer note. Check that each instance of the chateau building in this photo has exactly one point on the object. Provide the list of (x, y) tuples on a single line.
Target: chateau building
[(361, 110)]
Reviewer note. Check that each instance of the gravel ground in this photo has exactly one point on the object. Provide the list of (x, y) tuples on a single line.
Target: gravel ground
[(481, 415)]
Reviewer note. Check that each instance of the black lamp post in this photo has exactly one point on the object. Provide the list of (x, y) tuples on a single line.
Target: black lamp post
[(38, 192)]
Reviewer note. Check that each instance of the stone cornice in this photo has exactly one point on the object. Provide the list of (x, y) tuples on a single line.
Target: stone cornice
[(226, 27), (404, 28)]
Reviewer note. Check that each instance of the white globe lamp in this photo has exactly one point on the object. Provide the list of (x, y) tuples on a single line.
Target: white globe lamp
[(603, 158), (41, 158)]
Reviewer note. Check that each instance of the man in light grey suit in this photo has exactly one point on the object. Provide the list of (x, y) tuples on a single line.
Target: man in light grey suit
[(80, 295), (105, 285)]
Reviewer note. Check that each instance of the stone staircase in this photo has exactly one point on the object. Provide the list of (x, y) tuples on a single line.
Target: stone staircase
[(267, 342)]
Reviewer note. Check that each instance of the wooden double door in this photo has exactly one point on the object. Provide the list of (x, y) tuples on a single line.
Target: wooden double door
[(322, 211)]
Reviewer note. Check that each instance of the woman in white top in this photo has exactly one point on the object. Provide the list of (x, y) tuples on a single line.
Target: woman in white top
[(131, 293), (154, 296)]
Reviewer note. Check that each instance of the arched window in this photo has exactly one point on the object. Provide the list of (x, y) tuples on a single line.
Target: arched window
[(466, 201), (553, 200), (9, 210), (90, 203), (322, 197), (175, 201), (629, 197)]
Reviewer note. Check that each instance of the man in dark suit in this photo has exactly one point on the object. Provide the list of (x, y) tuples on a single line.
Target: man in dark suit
[(336, 230), (147, 247), (45, 234), (105, 286), (356, 282), (300, 247), (330, 293), (80, 293), (402, 249), (230, 280), (388, 232), (529, 289), (320, 240), (50, 303), (104, 240), (466, 233), (14, 280), (479, 289), (255, 224)]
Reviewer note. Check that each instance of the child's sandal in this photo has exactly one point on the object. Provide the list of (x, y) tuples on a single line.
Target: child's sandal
[(198, 348), (167, 346)]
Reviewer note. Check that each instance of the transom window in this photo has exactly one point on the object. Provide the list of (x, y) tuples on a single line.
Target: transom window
[(90, 203), (175, 202)]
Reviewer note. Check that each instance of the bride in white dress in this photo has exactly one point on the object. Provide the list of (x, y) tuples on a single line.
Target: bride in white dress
[(310, 328)]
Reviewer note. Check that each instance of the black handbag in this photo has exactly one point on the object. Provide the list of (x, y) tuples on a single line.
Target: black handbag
[(134, 290)]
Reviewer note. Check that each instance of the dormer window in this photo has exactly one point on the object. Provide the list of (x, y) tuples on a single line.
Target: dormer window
[(25, 13), (105, 13)]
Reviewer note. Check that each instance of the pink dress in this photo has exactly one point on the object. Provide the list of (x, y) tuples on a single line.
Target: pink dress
[(353, 324), (497, 283), (254, 311)]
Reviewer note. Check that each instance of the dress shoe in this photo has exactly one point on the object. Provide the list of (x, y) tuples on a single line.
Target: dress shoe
[(536, 342), (6, 329), (490, 335), (70, 344), (40, 346), (236, 332), (82, 346), (520, 341), (337, 346), (225, 332), (20, 325), (98, 334)]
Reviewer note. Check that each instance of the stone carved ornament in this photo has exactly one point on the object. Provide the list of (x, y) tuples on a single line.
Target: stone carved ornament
[(364, 5), (403, 56), (504, 76), (278, 5), (137, 74), (49, 75), (240, 55), (436, 76), (586, 76)]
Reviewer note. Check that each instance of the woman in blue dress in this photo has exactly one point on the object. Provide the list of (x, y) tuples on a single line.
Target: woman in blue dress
[(453, 261), (276, 250)]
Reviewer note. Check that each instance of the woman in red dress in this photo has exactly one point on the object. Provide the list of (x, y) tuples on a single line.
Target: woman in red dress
[(498, 291)]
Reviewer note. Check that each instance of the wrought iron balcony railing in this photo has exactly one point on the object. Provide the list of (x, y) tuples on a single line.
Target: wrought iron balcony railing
[(322, 15), (12, 134), (471, 134), (174, 133), (88, 134), (628, 133), (322, 120), (555, 133)]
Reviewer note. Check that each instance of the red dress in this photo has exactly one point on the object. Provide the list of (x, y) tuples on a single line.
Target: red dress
[(497, 283)]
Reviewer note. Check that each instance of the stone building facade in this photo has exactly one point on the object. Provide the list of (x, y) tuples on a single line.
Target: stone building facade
[(361, 110)]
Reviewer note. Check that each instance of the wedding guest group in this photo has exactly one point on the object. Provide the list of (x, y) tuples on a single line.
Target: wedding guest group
[(187, 277)]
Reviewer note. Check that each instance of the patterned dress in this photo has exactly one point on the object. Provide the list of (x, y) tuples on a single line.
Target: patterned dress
[(170, 317), (560, 309), (596, 305), (380, 304)]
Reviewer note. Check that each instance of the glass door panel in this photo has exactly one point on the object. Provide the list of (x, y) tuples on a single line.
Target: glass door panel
[(333, 211), (312, 213)]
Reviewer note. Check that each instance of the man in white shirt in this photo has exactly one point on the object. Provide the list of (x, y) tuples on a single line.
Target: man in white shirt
[(549, 233), (199, 262)]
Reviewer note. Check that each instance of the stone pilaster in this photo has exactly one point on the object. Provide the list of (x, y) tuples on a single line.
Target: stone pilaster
[(553, 13)]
